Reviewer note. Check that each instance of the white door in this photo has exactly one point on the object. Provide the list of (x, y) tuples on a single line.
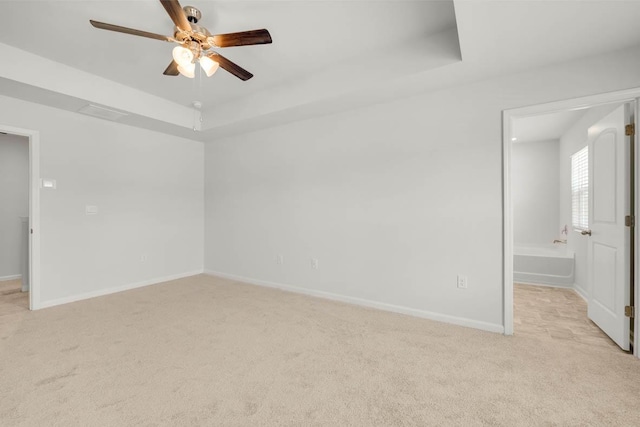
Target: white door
[(608, 244)]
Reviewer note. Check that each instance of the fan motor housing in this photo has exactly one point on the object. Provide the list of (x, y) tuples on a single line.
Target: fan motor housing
[(198, 34), (193, 14)]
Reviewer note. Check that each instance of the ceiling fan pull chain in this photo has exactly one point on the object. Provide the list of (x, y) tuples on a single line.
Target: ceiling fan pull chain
[(197, 109)]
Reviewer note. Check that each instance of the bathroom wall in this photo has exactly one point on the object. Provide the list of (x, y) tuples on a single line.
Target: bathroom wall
[(535, 192), (574, 139), (14, 201)]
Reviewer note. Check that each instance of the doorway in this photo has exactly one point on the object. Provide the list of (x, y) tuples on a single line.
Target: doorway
[(14, 223), (20, 220), (550, 252)]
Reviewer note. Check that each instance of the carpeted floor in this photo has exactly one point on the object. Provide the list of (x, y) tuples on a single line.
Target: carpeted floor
[(207, 351)]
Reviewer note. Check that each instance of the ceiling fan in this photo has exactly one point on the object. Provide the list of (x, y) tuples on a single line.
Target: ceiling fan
[(196, 42)]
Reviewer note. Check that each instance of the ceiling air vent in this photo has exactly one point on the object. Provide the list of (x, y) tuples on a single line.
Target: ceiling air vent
[(101, 112)]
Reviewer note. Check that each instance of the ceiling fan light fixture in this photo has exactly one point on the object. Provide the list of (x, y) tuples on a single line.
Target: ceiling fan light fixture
[(209, 66), (195, 41), (182, 56), (188, 71)]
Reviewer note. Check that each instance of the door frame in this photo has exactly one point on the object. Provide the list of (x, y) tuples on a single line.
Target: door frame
[(624, 96), (34, 210)]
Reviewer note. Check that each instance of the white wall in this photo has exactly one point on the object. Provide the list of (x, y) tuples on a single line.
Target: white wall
[(148, 188), (14, 201), (535, 192), (394, 200), (574, 139)]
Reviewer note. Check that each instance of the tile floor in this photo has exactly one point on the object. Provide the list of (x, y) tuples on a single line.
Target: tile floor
[(555, 313), (12, 299)]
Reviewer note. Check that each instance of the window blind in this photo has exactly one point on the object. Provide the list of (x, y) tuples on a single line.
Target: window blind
[(580, 189)]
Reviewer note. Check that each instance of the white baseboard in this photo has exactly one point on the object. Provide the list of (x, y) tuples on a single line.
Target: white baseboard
[(544, 284), (581, 292), (14, 277), (102, 292), (460, 321)]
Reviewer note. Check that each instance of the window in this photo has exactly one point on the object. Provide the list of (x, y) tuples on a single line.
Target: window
[(580, 189)]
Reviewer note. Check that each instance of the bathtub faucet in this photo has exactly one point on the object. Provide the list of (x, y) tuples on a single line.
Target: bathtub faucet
[(560, 241)]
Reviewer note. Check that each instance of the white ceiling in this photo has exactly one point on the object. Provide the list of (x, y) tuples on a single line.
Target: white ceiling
[(545, 127), (327, 55), (308, 36)]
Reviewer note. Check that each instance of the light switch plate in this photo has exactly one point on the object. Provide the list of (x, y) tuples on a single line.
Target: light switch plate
[(48, 183)]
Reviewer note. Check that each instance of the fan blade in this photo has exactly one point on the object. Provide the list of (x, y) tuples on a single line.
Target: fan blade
[(244, 38), (119, 29), (231, 67), (172, 69), (176, 14)]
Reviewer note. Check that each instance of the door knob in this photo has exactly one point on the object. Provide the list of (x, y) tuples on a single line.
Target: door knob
[(586, 232)]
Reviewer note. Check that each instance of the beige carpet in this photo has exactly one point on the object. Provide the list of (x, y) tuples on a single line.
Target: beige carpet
[(206, 351)]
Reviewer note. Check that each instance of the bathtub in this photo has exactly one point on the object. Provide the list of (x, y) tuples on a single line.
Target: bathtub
[(544, 265)]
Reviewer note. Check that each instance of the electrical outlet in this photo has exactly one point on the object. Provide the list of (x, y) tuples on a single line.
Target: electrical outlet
[(143, 258), (462, 281), (280, 259), (314, 263)]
